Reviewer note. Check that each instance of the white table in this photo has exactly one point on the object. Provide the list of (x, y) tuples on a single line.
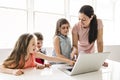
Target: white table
[(53, 73)]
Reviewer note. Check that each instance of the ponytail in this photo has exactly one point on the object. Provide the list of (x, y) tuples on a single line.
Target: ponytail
[(93, 32)]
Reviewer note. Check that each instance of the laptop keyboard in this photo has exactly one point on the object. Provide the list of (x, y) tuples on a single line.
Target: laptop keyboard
[(70, 69)]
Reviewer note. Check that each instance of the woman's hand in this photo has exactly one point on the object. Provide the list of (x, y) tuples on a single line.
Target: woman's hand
[(105, 64), (72, 55), (17, 72)]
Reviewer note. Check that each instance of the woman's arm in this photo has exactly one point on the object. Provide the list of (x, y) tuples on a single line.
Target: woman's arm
[(57, 47), (10, 71), (55, 59), (75, 44), (100, 40)]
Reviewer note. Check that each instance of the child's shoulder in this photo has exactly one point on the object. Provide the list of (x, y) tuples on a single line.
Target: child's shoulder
[(56, 37)]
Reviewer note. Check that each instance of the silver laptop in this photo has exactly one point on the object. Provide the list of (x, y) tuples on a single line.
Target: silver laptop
[(86, 63)]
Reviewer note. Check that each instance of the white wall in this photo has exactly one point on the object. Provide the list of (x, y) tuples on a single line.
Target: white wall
[(115, 52), (4, 53)]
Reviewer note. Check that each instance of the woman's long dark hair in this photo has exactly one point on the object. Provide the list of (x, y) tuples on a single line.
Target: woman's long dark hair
[(93, 32)]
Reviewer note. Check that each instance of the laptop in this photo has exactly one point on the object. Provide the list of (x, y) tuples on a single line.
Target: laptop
[(86, 63)]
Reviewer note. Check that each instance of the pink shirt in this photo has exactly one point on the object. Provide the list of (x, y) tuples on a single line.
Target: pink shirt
[(31, 61), (83, 43)]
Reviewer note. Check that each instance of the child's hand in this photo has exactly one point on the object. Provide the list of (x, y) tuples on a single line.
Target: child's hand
[(17, 72), (47, 65), (40, 66), (71, 62)]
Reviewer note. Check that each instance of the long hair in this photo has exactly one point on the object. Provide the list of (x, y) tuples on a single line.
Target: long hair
[(60, 22), (93, 31), (19, 52)]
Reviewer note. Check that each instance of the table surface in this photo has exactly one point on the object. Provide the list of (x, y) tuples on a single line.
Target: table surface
[(112, 72)]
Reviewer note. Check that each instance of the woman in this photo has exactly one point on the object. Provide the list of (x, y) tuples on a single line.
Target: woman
[(88, 30)]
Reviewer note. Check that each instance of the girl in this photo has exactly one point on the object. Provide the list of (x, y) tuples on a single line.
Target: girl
[(62, 43), (23, 56)]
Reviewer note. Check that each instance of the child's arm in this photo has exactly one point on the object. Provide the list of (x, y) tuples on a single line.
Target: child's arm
[(55, 59), (57, 47), (11, 71)]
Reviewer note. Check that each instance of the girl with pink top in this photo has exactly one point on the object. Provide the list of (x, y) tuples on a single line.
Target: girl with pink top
[(88, 30), (23, 56)]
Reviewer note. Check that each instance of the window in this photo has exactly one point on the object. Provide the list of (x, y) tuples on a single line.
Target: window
[(75, 5), (117, 23), (51, 6), (47, 12), (21, 4), (21, 16), (46, 24), (105, 10), (13, 23)]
